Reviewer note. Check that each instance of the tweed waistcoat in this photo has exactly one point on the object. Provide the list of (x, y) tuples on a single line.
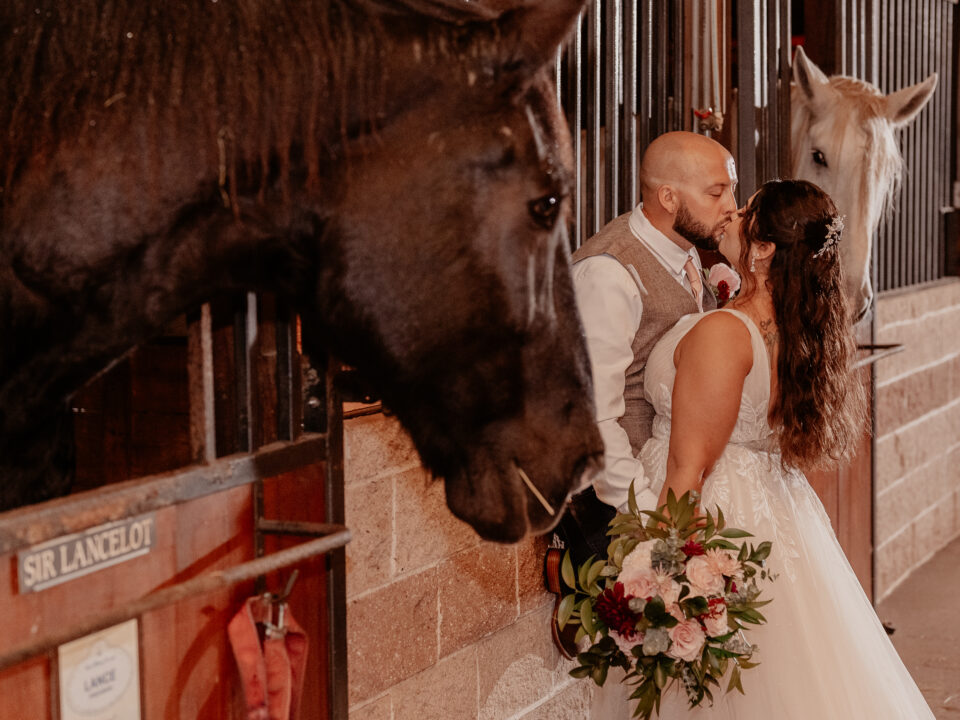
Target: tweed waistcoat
[(664, 302)]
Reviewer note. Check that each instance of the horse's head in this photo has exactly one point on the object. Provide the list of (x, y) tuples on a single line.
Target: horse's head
[(843, 140), (446, 275)]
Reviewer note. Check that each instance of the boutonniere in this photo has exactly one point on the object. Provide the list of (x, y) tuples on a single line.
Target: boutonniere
[(723, 281)]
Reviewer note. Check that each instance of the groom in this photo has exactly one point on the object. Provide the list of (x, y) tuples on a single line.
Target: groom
[(633, 280)]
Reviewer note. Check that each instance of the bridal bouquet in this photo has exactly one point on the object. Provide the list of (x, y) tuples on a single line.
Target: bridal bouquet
[(669, 604)]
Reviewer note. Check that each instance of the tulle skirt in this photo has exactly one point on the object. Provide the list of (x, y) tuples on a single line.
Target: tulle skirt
[(823, 652)]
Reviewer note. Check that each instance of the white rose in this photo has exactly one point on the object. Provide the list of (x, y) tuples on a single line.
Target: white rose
[(703, 576), (688, 640)]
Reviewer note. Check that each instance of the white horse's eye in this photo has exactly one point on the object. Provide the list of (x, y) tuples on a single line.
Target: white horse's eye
[(819, 158)]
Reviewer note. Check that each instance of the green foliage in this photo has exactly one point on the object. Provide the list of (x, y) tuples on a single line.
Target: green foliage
[(675, 523)]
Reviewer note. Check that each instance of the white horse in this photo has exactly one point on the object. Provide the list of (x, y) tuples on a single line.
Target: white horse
[(842, 139)]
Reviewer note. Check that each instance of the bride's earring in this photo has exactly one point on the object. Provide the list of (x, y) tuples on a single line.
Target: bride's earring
[(753, 263)]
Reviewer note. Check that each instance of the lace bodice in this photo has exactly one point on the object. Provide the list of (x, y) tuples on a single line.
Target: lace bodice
[(752, 429)]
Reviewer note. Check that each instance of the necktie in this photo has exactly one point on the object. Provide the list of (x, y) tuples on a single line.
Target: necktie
[(696, 284)]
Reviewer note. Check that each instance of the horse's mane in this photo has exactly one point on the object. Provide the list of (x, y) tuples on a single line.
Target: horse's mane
[(258, 75)]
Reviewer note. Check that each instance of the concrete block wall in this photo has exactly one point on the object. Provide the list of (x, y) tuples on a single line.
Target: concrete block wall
[(441, 625), (918, 429)]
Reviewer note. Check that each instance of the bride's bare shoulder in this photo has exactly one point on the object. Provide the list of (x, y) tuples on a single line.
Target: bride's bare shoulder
[(718, 337)]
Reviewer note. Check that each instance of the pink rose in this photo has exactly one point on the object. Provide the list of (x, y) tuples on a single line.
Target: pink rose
[(639, 582), (703, 576), (724, 273), (637, 575), (688, 640), (715, 620), (723, 562)]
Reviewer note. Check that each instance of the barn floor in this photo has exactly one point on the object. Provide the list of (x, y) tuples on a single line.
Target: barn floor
[(924, 611)]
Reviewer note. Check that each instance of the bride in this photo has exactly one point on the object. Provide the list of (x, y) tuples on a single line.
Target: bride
[(746, 395)]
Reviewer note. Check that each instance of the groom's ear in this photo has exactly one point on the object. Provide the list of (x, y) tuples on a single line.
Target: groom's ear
[(668, 199)]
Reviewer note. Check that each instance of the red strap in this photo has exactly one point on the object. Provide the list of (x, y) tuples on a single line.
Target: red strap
[(272, 675)]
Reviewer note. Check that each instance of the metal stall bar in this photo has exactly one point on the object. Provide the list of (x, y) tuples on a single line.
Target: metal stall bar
[(746, 115), (594, 211), (570, 86), (630, 161), (38, 523), (612, 72), (335, 514)]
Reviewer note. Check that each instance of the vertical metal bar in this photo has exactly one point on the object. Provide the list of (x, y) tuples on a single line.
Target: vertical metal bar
[(594, 210), (772, 162), (613, 73), (645, 63), (630, 162), (680, 101), (336, 560), (573, 102), (900, 76), (660, 92), (746, 127), (784, 104)]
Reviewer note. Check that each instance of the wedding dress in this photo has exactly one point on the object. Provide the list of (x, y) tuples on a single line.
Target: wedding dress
[(823, 653)]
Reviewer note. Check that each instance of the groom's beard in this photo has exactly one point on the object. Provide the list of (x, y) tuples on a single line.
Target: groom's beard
[(694, 231)]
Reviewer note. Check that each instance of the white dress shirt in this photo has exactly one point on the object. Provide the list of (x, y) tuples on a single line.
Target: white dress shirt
[(609, 298)]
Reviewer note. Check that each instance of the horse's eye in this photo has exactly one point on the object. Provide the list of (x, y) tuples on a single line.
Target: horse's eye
[(544, 210), (819, 159)]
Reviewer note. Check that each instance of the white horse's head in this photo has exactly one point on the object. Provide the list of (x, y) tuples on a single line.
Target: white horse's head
[(842, 139)]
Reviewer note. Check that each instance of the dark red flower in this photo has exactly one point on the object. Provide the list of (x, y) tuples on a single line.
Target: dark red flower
[(723, 291), (693, 548), (613, 608)]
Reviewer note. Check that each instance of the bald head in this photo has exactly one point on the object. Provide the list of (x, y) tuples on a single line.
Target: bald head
[(677, 158), (687, 182)]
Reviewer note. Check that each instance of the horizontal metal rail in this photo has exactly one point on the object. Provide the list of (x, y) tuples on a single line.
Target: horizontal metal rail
[(202, 584), (877, 352), (37, 523)]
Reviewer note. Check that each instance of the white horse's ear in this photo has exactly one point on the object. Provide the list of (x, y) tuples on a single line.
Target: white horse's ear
[(903, 105), (807, 75)]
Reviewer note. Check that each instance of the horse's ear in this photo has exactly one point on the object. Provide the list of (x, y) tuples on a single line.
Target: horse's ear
[(903, 105), (807, 75), (536, 29)]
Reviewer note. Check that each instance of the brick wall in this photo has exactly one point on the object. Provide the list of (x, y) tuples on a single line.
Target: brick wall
[(441, 626), (918, 429)]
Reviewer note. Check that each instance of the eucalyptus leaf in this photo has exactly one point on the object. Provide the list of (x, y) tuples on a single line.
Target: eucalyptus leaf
[(565, 610), (762, 552), (734, 533), (582, 572), (595, 571), (566, 571), (587, 619)]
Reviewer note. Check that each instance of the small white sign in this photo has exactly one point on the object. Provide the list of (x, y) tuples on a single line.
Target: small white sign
[(71, 556), (100, 675)]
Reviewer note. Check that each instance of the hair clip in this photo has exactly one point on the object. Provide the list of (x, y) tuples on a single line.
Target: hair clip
[(834, 228)]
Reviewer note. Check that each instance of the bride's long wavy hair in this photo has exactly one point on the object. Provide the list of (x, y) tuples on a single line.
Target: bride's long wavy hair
[(821, 406)]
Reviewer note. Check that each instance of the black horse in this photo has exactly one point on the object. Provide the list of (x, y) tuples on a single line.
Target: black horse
[(396, 170)]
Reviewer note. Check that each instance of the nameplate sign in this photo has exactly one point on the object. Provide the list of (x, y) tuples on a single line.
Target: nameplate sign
[(72, 556), (100, 675)]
